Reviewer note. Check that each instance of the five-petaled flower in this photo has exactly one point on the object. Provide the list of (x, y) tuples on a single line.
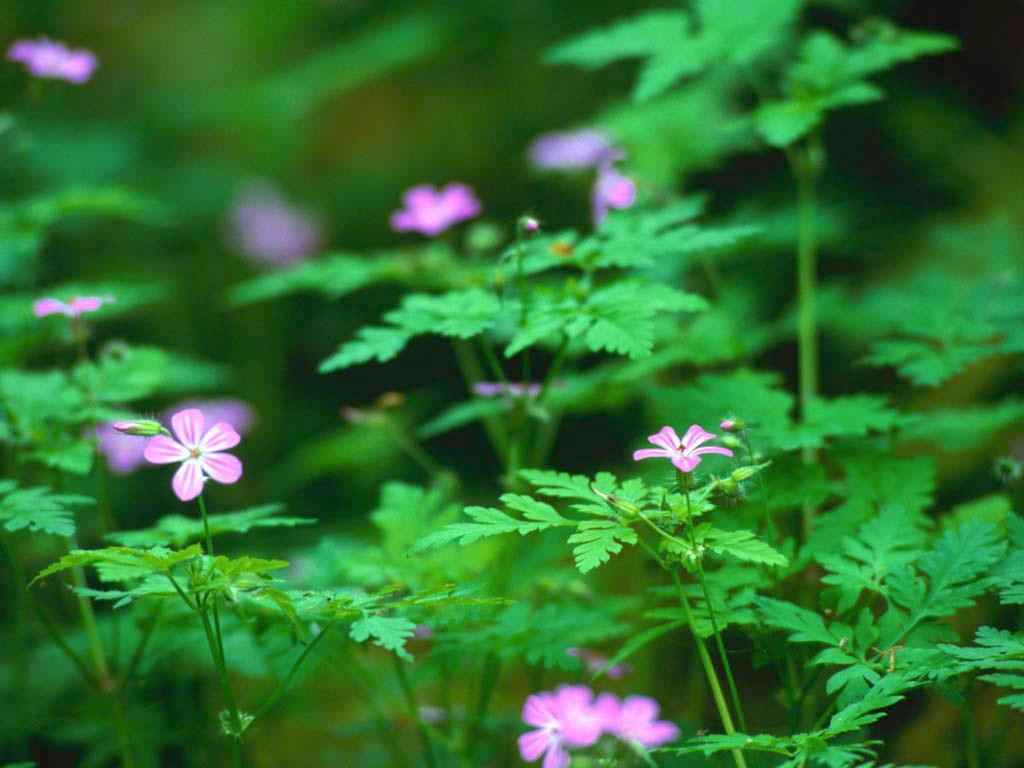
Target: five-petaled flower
[(564, 720), (79, 305), (635, 719), (52, 59), (685, 453), (200, 453), (431, 211)]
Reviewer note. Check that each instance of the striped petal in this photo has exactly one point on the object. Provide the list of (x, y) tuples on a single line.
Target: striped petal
[(188, 426), (652, 453), (695, 436), (219, 437), (686, 463), (533, 744), (45, 307), (188, 480), (222, 467), (666, 438), (163, 450), (710, 449)]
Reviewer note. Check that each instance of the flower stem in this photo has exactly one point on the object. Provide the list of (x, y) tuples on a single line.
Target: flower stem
[(127, 759), (733, 692), (414, 713), (99, 659), (291, 673)]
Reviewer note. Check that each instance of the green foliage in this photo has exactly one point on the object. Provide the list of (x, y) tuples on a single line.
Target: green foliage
[(389, 632), (997, 653), (38, 509), (178, 530)]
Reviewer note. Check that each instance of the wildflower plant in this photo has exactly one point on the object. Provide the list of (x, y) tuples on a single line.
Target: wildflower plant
[(529, 582)]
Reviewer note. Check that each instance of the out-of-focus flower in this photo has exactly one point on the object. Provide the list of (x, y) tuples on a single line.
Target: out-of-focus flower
[(565, 150), (634, 719), (200, 453), (587, 148), (563, 720), (594, 661), (530, 225), (512, 388), (237, 413), (79, 305), (269, 230), (431, 211), (124, 452), (611, 190), (685, 454), (48, 58)]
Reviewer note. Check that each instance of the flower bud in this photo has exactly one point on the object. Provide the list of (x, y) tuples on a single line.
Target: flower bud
[(729, 486), (743, 473), (140, 427), (628, 508), (730, 442), (529, 225), (733, 425)]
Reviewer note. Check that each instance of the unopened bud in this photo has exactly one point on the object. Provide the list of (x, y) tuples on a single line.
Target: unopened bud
[(730, 442), (730, 486), (733, 425), (740, 474), (140, 427), (529, 225), (628, 508)]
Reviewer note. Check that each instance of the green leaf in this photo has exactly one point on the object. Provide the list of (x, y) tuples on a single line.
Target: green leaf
[(178, 530), (389, 632), (38, 509), (743, 545), (118, 563), (488, 521), (597, 540), (334, 275)]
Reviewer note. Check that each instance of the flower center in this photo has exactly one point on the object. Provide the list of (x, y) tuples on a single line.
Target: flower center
[(195, 453)]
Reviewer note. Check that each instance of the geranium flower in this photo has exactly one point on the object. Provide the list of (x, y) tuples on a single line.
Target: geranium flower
[(48, 58), (634, 719), (564, 720), (586, 148), (685, 454), (431, 211), (611, 190), (79, 305), (267, 229), (200, 453)]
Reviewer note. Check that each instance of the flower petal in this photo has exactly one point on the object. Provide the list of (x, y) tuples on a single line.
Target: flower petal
[(710, 449), (188, 480), (219, 437), (45, 307), (652, 453), (666, 438), (533, 744), (695, 436), (222, 467), (188, 426), (686, 463), (163, 450), (539, 710), (556, 757), (83, 304)]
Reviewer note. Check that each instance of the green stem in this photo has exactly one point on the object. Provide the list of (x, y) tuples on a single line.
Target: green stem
[(733, 692), (141, 647), (469, 366), (58, 638), (99, 659), (702, 653), (127, 759), (414, 712), (291, 674)]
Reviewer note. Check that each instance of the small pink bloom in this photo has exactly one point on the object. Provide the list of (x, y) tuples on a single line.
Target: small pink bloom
[(685, 454), (634, 719), (79, 305), (530, 225), (48, 58), (564, 720), (431, 211), (611, 190), (566, 150), (200, 453), (268, 229)]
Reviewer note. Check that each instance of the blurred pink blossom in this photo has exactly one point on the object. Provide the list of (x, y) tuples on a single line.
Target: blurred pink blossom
[(611, 190), (634, 719), (563, 720), (431, 211), (269, 230), (79, 305), (48, 58)]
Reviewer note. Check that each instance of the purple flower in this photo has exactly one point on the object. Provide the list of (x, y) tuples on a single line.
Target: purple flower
[(685, 453), (567, 150), (200, 453), (512, 388), (564, 720), (124, 452), (48, 58), (634, 719), (431, 211), (235, 412), (267, 229), (611, 190), (593, 661), (79, 305)]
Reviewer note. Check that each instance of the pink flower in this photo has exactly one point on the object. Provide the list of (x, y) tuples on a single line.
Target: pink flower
[(268, 229), (124, 453), (431, 211), (564, 720), (79, 305), (566, 150), (634, 719), (47, 58), (685, 453), (611, 190), (200, 453)]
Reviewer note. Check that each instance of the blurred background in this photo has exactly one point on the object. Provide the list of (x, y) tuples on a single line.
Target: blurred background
[(332, 108)]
